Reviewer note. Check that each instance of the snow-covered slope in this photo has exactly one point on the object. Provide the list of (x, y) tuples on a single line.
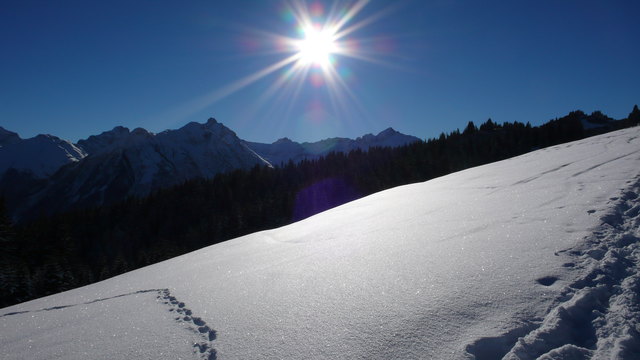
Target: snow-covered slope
[(530, 256), (283, 150), (40, 156)]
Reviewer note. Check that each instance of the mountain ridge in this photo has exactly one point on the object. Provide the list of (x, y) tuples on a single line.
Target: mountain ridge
[(285, 149), (119, 163)]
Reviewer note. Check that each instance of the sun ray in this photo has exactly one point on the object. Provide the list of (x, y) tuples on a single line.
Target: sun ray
[(293, 74), (351, 13), (344, 87), (205, 100), (372, 58), (362, 23), (297, 88), (247, 80)]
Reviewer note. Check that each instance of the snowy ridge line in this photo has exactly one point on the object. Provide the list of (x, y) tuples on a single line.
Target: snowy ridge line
[(598, 315), (204, 348)]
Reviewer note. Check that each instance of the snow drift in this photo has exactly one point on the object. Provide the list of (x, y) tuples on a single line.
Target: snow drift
[(536, 256)]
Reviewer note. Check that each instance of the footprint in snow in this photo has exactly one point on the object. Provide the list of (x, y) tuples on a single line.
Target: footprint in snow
[(547, 280), (195, 324)]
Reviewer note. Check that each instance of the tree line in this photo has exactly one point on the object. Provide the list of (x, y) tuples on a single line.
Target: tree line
[(67, 250)]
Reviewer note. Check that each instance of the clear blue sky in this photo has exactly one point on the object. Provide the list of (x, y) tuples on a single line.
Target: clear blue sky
[(77, 68)]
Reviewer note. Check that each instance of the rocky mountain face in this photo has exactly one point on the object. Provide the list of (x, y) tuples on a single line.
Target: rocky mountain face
[(46, 174)]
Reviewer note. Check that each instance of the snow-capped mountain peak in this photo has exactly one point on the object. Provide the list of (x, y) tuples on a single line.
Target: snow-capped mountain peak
[(387, 137), (106, 141), (284, 140), (140, 132), (388, 132)]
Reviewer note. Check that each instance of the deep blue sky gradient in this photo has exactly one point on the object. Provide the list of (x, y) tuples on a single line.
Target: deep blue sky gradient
[(77, 68)]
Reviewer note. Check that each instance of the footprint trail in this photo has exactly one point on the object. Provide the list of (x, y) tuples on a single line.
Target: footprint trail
[(204, 348), (598, 315)]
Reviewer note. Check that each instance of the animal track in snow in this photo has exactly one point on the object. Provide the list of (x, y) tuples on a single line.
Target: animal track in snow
[(204, 348)]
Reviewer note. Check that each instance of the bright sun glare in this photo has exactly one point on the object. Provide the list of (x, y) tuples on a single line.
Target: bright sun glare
[(317, 46), (325, 38)]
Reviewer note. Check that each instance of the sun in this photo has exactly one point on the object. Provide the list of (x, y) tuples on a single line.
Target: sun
[(324, 39), (317, 46)]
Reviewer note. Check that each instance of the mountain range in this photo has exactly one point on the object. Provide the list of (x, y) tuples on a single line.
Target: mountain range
[(46, 174), (285, 149)]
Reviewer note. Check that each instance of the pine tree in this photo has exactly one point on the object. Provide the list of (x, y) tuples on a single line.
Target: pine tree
[(470, 129), (488, 125), (634, 116)]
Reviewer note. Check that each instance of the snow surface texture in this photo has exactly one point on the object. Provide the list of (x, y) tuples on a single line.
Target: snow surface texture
[(532, 257)]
